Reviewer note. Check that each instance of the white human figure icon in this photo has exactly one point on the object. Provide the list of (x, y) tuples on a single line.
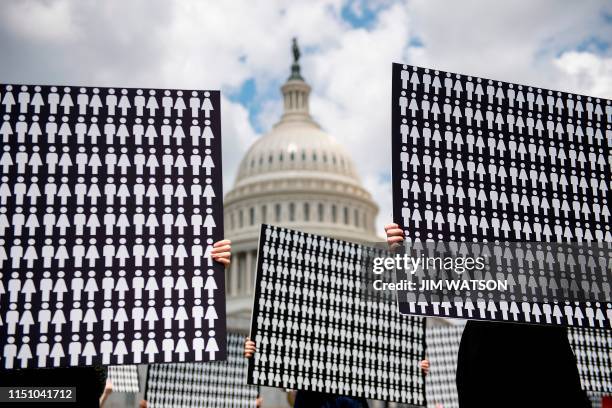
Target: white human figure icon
[(120, 350), (207, 133), (168, 346), (151, 348), (137, 347), (77, 284), (4, 224), (16, 253), (195, 132), (179, 193), (30, 256), (211, 346), (121, 316), (57, 351), (167, 161), (89, 350), (23, 98), (122, 132), (152, 162), (181, 252), (139, 102), (5, 191), (180, 163), (207, 105), (168, 191), (209, 192), (109, 131), (94, 131), (35, 131), (18, 221), (198, 346), (66, 101), (58, 319), (194, 104), (179, 104), (8, 100), (152, 105), (90, 318), (123, 192), (139, 162), (53, 100), (42, 352), (211, 285), (124, 103), (82, 101), (44, 315), (138, 131), (211, 314), (106, 349), (178, 134), (9, 353), (168, 252), (197, 283), (76, 316), (21, 128), (92, 254), (6, 130), (95, 103), (111, 102), (137, 315), (107, 316), (167, 103)]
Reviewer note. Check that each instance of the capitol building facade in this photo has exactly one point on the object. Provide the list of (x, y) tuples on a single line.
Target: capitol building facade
[(295, 176)]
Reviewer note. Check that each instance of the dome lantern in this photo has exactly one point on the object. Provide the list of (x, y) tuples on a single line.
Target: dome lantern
[(295, 93)]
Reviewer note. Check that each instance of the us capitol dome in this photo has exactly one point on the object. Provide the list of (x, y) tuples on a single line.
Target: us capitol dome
[(295, 176)]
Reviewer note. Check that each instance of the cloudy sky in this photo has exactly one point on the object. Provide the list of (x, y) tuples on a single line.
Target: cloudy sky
[(243, 48)]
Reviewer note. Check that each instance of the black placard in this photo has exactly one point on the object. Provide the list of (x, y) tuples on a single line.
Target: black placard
[(316, 328), (218, 385), (110, 201), (483, 161)]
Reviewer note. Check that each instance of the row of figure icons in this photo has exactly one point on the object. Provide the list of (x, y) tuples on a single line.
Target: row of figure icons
[(105, 101)]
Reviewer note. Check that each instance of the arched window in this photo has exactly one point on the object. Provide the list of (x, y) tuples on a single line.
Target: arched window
[(264, 210), (270, 159), (292, 156), (280, 157), (314, 156), (356, 217), (321, 212), (277, 210), (240, 219), (346, 215), (291, 211), (304, 155), (334, 214), (251, 216), (232, 219), (306, 212)]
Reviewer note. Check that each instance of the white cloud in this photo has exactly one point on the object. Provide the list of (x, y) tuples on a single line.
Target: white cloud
[(217, 44), (586, 71), (238, 135), (53, 16)]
